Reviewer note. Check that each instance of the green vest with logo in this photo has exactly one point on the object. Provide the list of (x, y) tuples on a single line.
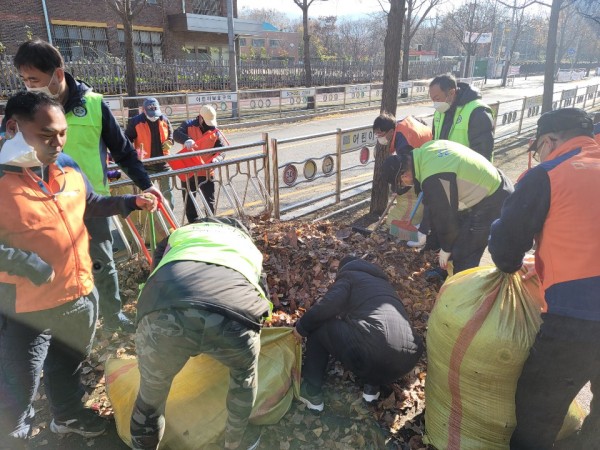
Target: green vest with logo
[(459, 132), (84, 138), (219, 244), (476, 177)]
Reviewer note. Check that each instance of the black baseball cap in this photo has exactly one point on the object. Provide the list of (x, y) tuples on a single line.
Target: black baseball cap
[(563, 120)]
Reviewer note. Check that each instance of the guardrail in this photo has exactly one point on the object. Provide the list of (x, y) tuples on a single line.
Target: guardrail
[(273, 103)]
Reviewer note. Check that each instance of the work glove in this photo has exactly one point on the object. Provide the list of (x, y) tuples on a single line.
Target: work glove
[(443, 258), (166, 146), (189, 144), (420, 242), (218, 158)]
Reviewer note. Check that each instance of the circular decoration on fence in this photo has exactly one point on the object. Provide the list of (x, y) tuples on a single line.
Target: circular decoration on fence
[(290, 174), (168, 110), (364, 155), (310, 169), (327, 166), (223, 106)]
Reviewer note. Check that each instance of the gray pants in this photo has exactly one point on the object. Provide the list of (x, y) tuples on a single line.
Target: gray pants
[(165, 340)]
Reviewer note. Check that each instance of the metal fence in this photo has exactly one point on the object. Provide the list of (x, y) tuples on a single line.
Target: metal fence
[(108, 77)]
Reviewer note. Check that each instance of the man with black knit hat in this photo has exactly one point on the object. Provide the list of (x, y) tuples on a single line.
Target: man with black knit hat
[(555, 207), (362, 323)]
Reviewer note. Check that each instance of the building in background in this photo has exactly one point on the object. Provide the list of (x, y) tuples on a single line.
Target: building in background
[(271, 43), (90, 29)]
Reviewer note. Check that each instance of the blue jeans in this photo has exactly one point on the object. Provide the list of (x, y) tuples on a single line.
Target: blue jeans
[(54, 340), (103, 266)]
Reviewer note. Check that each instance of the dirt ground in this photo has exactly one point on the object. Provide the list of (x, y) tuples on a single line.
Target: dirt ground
[(347, 423)]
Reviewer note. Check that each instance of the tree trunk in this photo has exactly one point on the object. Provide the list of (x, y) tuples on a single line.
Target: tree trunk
[(130, 70), (550, 55), (406, 41), (389, 98)]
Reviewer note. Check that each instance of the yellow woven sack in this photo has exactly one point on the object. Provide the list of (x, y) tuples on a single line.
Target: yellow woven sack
[(195, 413), (479, 335), (399, 216)]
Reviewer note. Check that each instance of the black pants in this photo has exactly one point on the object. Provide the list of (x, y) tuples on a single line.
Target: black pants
[(563, 358), (207, 188), (349, 346)]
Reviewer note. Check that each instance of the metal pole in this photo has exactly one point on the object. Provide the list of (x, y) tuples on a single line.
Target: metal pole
[(275, 178), (338, 163), (522, 116), (233, 83), (265, 138), (45, 8)]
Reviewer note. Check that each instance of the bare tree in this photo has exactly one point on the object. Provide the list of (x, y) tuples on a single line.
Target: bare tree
[(128, 11), (517, 24), (353, 36), (590, 9), (304, 5), (548, 95), (416, 12), (389, 97), (270, 15), (467, 23)]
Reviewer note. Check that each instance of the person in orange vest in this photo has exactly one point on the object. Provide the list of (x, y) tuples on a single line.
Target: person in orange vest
[(152, 136), (199, 134)]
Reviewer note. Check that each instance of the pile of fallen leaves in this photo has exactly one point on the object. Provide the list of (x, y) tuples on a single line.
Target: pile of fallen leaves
[(301, 260)]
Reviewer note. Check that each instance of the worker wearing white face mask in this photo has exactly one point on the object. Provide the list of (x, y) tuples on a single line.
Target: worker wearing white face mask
[(461, 116), (152, 136)]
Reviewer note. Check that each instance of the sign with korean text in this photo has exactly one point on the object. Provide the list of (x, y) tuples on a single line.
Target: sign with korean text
[(212, 97), (352, 140), (298, 93), (534, 101)]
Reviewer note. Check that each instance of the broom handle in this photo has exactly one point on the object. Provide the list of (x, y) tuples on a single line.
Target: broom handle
[(414, 211)]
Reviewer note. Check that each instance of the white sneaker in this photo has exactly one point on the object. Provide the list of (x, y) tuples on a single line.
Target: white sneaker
[(420, 242)]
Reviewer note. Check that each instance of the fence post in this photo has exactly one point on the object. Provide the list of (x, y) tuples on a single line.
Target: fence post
[(595, 95), (522, 116), (265, 138), (338, 171), (275, 164), (496, 115), (585, 96)]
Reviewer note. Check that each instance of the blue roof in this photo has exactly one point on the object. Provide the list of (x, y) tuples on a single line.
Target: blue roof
[(268, 27)]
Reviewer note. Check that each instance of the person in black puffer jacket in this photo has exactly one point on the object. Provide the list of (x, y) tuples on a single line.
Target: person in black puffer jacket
[(362, 322)]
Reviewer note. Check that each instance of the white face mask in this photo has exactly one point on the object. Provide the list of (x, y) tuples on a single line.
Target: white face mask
[(382, 140), (17, 152), (44, 89), (152, 119), (441, 107)]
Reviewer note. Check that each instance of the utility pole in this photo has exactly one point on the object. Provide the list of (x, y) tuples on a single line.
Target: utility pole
[(233, 82)]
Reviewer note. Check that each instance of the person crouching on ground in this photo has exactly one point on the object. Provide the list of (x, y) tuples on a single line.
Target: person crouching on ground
[(361, 322)]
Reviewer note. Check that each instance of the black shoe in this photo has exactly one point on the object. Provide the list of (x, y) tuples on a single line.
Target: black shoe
[(85, 423), (370, 393), (436, 274), (119, 322), (311, 397), (250, 440)]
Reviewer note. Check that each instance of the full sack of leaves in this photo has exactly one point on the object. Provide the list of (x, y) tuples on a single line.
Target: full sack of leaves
[(480, 332), (195, 413)]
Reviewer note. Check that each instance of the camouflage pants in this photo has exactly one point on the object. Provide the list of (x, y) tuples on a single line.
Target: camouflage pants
[(165, 340)]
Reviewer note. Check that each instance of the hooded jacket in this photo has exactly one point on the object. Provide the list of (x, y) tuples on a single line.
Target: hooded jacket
[(480, 122), (363, 297)]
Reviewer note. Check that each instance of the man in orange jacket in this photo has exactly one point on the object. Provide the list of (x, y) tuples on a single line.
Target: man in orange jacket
[(555, 206), (152, 136), (49, 304), (201, 130)]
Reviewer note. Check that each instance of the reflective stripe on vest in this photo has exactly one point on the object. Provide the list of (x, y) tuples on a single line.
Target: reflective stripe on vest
[(85, 140), (459, 132)]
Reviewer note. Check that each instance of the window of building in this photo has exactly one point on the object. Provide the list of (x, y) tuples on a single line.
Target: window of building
[(273, 43), (242, 42), (76, 43), (206, 7), (258, 42), (193, 53), (146, 45)]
